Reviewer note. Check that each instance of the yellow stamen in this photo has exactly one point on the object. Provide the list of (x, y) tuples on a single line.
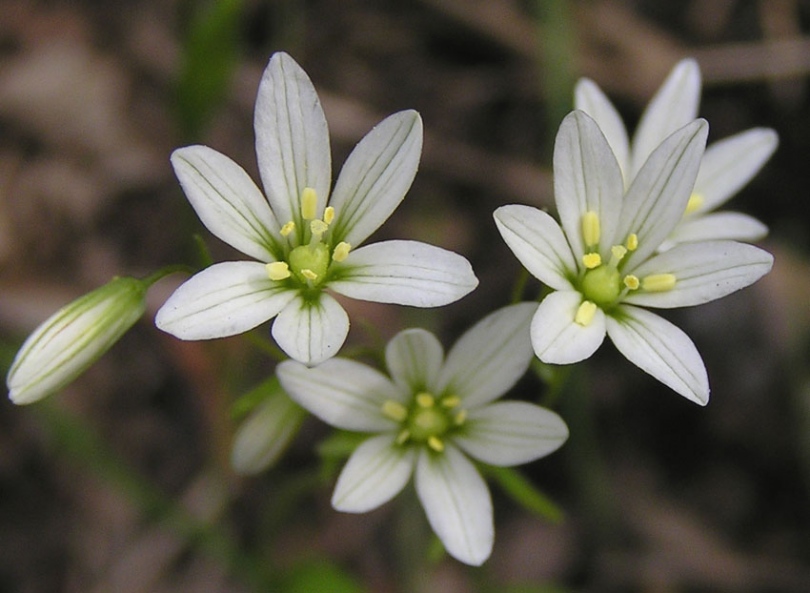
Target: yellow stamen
[(309, 203), (425, 400), (451, 401), (309, 274), (585, 313), (287, 228), (278, 270), (591, 260), (435, 443), (341, 251), (694, 203), (631, 282), (460, 418), (632, 242), (591, 230), (617, 252), (658, 282), (318, 228), (403, 436), (394, 410), (329, 215)]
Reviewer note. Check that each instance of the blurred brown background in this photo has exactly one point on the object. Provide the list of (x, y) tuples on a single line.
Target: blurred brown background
[(659, 495)]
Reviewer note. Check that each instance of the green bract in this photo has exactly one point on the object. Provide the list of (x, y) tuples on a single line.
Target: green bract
[(73, 338)]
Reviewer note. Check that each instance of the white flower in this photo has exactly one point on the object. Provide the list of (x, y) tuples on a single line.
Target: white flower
[(602, 260), (73, 338), (427, 415), (303, 245), (727, 165)]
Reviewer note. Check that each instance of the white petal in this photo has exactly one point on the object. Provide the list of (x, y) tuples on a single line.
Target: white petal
[(264, 435), (376, 472), (673, 106), (731, 163), (538, 242), (414, 358), (657, 199), (223, 300), (405, 273), (311, 331), (341, 392), (376, 176), (292, 139), (661, 349), (490, 357), (557, 338), (227, 201), (511, 433), (588, 97), (587, 178), (734, 226), (457, 502), (704, 272)]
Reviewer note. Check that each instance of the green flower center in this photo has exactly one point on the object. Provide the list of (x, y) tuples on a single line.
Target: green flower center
[(310, 251), (427, 421), (602, 285)]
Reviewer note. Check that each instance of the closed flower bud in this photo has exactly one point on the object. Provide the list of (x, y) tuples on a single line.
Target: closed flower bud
[(73, 338)]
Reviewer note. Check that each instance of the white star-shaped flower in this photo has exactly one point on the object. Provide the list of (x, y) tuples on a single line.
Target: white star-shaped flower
[(602, 261), (428, 417), (727, 165), (303, 245)]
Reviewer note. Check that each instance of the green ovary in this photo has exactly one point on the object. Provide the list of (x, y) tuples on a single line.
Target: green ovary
[(309, 263), (602, 285), (425, 423)]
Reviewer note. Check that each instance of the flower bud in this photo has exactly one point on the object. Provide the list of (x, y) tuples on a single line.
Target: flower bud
[(265, 434), (73, 338)]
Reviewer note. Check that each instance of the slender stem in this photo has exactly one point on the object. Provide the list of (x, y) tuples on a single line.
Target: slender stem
[(519, 286), (166, 271)]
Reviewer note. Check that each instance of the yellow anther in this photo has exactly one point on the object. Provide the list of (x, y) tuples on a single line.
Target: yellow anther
[(631, 282), (278, 270), (394, 410), (658, 282), (618, 252), (309, 203), (318, 228), (585, 313), (632, 242), (287, 228), (403, 436), (425, 400), (591, 230), (460, 418), (694, 203), (435, 443), (451, 401), (341, 251), (309, 274), (329, 215), (591, 260)]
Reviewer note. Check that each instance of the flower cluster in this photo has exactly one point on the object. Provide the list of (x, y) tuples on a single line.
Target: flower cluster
[(637, 230)]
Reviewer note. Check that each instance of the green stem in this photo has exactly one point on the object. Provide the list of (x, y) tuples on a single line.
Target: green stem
[(166, 271)]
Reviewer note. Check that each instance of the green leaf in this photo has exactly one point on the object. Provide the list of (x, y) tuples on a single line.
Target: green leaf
[(321, 576), (209, 59)]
